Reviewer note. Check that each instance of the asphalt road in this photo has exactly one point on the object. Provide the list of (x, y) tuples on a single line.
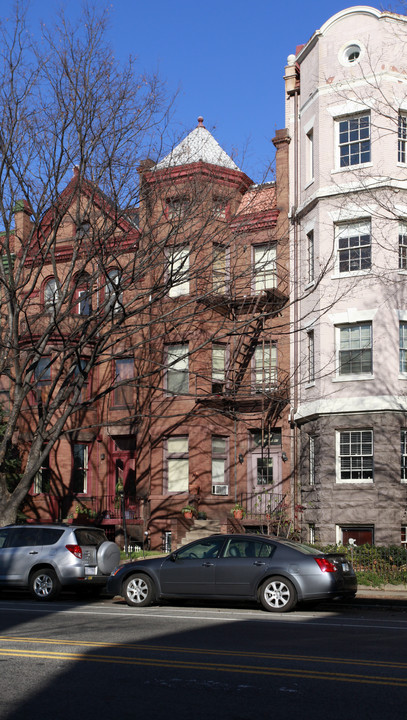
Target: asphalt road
[(102, 659)]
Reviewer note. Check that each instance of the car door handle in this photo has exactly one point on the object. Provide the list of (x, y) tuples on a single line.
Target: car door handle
[(208, 564), (259, 563), (33, 552)]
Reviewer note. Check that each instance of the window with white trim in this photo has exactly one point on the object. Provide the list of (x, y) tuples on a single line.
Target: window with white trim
[(177, 464), (403, 347), (354, 140), (42, 478), (355, 349), (402, 138), (311, 356), (354, 246), (177, 369), (123, 386), (355, 456), (311, 256), (403, 246), (80, 468), (51, 294), (264, 266), (219, 465), (265, 366), (218, 367), (178, 271), (310, 156), (219, 270), (403, 535), (403, 455)]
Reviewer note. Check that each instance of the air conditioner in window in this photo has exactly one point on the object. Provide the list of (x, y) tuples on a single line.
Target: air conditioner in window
[(220, 490)]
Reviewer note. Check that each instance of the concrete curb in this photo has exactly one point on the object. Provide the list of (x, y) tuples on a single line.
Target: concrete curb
[(385, 592)]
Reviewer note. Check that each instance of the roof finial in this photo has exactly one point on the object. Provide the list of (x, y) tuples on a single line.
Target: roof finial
[(200, 121)]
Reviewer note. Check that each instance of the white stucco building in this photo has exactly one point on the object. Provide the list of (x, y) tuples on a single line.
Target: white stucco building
[(346, 113)]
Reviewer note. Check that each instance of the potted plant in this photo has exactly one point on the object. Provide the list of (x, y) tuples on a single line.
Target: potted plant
[(238, 511), (188, 511)]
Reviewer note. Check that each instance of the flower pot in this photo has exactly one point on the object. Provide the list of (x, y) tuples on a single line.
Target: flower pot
[(238, 514), (188, 515)]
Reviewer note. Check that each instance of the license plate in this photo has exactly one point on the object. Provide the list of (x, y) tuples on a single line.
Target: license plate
[(90, 571), (345, 567)]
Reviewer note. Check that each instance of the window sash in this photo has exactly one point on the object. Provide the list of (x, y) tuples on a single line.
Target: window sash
[(178, 271), (177, 464), (80, 468), (354, 247), (311, 259), (218, 363), (219, 275), (42, 372), (177, 373), (265, 361), (403, 247), (355, 350), (402, 138), (265, 268), (356, 455), (124, 372), (51, 294), (311, 356), (354, 140), (403, 455)]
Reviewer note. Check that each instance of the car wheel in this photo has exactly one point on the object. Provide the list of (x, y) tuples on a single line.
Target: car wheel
[(44, 584), (138, 591), (108, 557), (277, 594)]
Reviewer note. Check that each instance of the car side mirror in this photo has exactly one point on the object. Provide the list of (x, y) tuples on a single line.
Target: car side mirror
[(173, 557)]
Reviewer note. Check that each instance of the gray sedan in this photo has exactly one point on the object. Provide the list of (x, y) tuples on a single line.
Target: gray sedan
[(277, 573)]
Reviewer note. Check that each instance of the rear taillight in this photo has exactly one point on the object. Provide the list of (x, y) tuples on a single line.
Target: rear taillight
[(325, 565), (75, 550)]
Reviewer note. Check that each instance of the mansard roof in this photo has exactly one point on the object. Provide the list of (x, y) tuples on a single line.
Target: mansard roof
[(198, 146)]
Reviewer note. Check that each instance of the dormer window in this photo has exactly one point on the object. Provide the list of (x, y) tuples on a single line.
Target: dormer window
[(83, 230), (219, 208), (177, 207)]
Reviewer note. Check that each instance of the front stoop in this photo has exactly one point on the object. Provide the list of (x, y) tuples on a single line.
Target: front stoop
[(201, 529)]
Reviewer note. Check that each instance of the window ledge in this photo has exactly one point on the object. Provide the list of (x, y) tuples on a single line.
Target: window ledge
[(310, 385), (354, 482), (350, 168), (352, 273), (352, 378), (311, 284)]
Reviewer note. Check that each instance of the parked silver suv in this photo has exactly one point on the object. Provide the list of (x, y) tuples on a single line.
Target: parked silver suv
[(45, 558)]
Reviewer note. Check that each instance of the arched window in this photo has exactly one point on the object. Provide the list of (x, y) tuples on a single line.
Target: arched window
[(51, 294), (113, 293), (84, 295)]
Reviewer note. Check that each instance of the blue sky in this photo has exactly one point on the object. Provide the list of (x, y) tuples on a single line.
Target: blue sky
[(225, 58)]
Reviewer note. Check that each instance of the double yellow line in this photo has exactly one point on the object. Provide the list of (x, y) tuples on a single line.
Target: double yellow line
[(245, 669)]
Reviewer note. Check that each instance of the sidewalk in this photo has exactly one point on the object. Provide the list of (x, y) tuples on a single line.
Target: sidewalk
[(385, 592)]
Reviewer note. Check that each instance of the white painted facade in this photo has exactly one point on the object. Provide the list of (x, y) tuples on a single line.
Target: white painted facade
[(346, 95)]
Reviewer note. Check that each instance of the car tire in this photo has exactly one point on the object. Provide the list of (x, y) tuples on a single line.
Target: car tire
[(44, 584), (138, 590), (277, 594), (108, 557)]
